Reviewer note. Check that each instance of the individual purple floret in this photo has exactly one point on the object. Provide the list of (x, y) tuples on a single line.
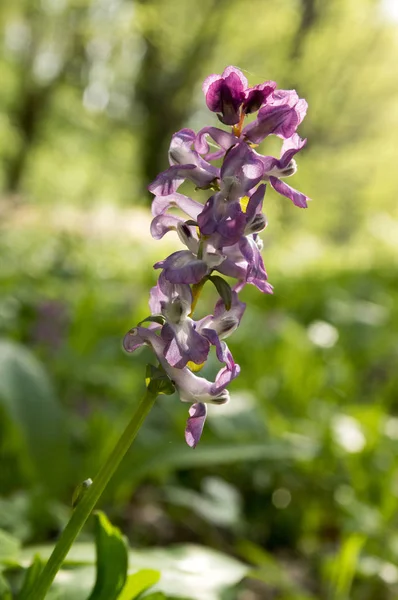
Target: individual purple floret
[(191, 388), (220, 236), (185, 163), (183, 343), (225, 94)]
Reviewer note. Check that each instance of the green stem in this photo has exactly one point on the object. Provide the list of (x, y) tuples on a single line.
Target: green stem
[(90, 499)]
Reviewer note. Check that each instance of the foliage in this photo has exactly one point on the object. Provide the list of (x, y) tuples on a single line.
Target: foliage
[(297, 476), (201, 573)]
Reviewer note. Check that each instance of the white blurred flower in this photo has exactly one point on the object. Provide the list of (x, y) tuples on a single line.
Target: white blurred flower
[(348, 433), (322, 334)]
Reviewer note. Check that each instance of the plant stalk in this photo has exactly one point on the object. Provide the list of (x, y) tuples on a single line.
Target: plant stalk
[(90, 499)]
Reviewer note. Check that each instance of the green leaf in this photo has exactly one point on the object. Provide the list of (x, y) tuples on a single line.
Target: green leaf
[(28, 399), (5, 592), (193, 571), (167, 457), (270, 571), (344, 566), (31, 576), (223, 288), (112, 560), (157, 381), (138, 583), (197, 572), (72, 584), (154, 319), (9, 547)]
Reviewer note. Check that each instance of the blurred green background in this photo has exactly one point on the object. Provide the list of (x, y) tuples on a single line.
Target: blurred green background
[(298, 475)]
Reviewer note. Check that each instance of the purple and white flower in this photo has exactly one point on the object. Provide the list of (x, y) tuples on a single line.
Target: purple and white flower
[(190, 387), (185, 163), (220, 235)]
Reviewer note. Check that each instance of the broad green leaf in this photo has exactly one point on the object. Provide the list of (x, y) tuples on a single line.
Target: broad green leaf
[(138, 583), (112, 560), (190, 571), (9, 547), (31, 575), (28, 399)]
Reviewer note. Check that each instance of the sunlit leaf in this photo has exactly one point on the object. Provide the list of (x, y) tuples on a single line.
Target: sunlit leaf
[(5, 591), (112, 560), (189, 571), (9, 547), (28, 398), (31, 576), (138, 583)]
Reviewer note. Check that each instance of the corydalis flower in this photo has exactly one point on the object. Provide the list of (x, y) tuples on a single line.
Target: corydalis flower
[(221, 235), (228, 93)]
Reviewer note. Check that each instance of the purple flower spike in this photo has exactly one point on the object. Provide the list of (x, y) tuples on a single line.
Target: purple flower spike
[(220, 235), (225, 94), (195, 424)]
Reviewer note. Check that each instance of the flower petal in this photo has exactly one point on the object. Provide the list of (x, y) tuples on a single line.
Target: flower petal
[(183, 267), (195, 423), (280, 116), (224, 94), (242, 169), (255, 203), (224, 322), (169, 181), (161, 204), (290, 147), (165, 292), (223, 138), (184, 344), (162, 224), (295, 196), (257, 95)]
